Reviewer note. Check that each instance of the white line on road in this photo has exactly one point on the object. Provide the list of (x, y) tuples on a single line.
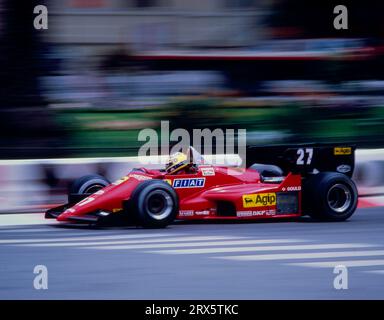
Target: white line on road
[(152, 240), (60, 231), (309, 255), (348, 263), (264, 248), (126, 236), (53, 237), (27, 230), (374, 271), (196, 244), (25, 219)]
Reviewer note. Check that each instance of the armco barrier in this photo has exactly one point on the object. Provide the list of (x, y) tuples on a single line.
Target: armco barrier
[(30, 185), (369, 171)]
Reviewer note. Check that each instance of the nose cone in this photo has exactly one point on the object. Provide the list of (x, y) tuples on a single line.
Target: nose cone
[(66, 215), (62, 217), (108, 199)]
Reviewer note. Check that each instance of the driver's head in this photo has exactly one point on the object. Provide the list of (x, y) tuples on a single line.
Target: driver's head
[(177, 162)]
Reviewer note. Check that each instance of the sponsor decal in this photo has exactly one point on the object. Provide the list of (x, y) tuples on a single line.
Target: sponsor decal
[(121, 180), (132, 175), (270, 212), (186, 213), (343, 168), (209, 171), (202, 213), (189, 183), (169, 181), (139, 177), (342, 151), (244, 213), (85, 201), (116, 209), (259, 200), (99, 192), (294, 188)]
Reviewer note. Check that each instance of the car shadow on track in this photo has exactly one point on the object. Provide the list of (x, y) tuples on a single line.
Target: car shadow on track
[(304, 219)]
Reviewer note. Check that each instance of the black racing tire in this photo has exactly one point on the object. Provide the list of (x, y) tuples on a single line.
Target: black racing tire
[(88, 184), (329, 196), (154, 203)]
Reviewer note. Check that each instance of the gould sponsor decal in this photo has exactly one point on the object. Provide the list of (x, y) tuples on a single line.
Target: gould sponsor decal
[(342, 151), (189, 183), (259, 200), (293, 188)]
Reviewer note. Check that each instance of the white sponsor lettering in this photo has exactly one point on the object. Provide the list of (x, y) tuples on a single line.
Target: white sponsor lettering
[(186, 213)]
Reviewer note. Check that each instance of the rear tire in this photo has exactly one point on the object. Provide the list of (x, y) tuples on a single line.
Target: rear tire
[(155, 204), (329, 196)]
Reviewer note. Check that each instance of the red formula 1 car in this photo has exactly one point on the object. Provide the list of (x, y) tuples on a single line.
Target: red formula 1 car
[(286, 182)]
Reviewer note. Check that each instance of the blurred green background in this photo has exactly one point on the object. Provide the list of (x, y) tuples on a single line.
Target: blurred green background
[(105, 131), (104, 70)]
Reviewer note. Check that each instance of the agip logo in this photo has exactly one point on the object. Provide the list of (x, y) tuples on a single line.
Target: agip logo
[(342, 151), (259, 200)]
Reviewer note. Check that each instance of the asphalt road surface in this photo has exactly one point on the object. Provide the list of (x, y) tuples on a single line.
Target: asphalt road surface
[(263, 260)]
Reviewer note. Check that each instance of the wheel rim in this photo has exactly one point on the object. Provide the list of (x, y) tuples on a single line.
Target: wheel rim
[(159, 204), (93, 188), (339, 198)]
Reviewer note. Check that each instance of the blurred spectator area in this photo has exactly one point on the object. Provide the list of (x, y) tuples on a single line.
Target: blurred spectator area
[(155, 24), (106, 69), (248, 40)]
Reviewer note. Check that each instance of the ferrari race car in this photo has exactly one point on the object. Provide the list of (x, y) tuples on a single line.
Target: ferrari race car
[(278, 182)]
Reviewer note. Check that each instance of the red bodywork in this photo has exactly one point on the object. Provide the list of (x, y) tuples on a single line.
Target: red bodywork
[(212, 192)]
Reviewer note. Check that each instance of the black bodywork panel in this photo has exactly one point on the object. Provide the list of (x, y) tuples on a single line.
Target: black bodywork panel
[(306, 158)]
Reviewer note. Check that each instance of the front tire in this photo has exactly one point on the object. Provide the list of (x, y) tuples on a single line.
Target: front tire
[(154, 204), (85, 186), (329, 196)]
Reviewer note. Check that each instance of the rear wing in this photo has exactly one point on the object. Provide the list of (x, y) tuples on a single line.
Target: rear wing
[(305, 159)]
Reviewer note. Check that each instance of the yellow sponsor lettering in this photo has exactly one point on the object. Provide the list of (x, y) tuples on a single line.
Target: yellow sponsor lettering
[(342, 151), (259, 200)]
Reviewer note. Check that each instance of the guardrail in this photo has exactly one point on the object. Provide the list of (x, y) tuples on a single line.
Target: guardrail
[(31, 185), (369, 172)]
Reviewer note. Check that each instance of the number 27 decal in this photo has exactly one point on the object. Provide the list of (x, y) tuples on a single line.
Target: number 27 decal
[(304, 156)]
